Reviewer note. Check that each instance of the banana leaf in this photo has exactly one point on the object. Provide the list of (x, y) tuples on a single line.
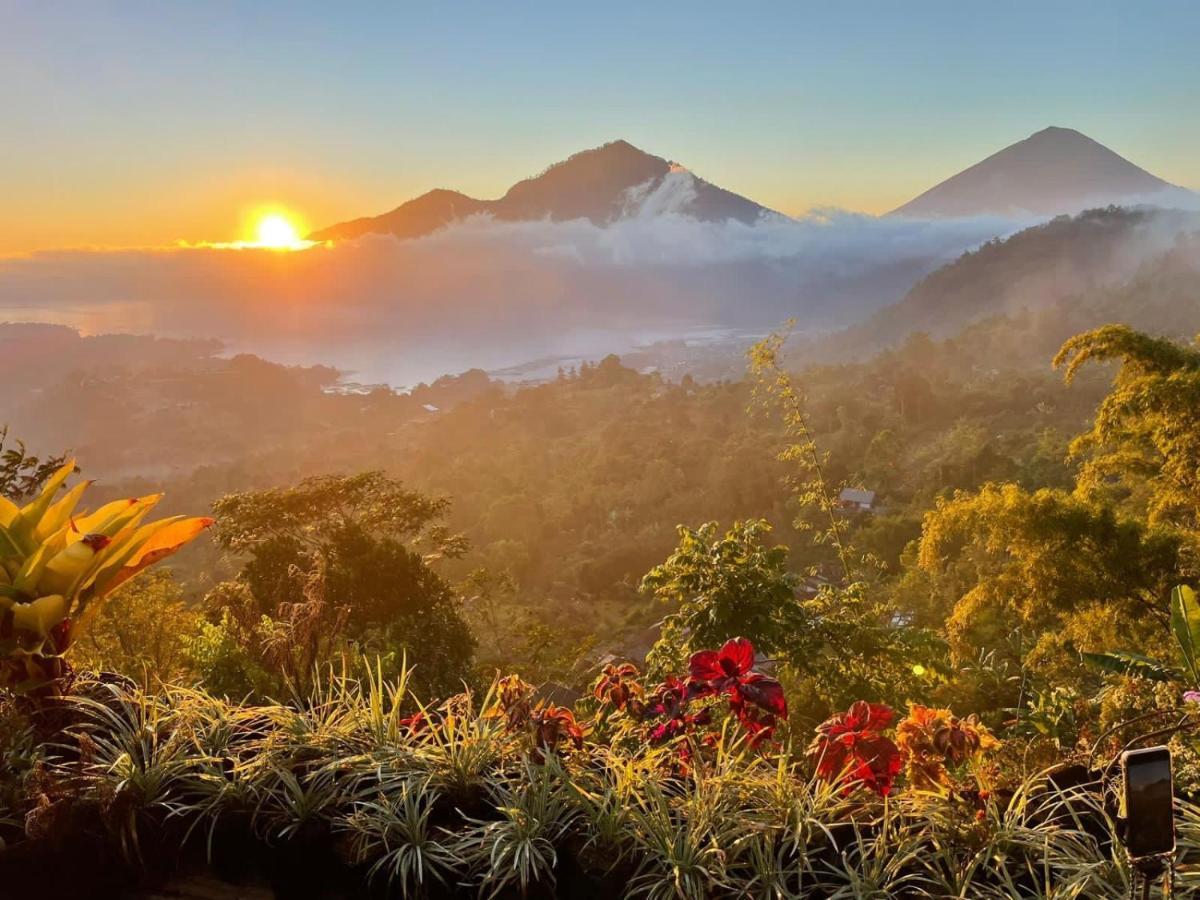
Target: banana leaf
[(1185, 623), (1121, 662)]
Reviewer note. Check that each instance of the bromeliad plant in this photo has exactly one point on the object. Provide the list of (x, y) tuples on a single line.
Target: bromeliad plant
[(56, 563)]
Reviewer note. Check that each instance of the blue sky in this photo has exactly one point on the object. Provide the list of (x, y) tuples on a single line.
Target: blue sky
[(137, 123)]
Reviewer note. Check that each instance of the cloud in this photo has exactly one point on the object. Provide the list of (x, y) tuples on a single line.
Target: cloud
[(494, 291)]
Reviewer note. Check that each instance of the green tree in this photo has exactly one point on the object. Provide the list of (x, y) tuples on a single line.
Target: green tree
[(1056, 566), (1148, 427), (812, 489), (724, 586), (22, 474), (836, 643), (349, 560)]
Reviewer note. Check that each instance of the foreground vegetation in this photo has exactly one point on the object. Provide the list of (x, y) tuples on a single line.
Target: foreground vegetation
[(657, 793)]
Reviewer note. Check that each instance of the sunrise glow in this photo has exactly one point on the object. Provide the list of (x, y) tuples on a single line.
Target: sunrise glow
[(276, 232)]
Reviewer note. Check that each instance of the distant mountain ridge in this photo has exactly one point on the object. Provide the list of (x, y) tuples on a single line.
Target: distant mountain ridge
[(1054, 171), (1030, 270), (1057, 170), (600, 185)]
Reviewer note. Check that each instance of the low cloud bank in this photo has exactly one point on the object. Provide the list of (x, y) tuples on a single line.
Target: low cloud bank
[(502, 291)]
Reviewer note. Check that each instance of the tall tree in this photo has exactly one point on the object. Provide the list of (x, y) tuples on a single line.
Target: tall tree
[(1148, 427)]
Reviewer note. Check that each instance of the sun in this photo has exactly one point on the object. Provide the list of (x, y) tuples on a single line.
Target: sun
[(276, 232)]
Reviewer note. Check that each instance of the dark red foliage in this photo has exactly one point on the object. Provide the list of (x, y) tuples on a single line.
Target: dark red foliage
[(618, 686), (756, 699), (759, 727), (734, 659), (764, 692), (551, 724), (670, 700), (416, 723), (851, 745), (728, 671)]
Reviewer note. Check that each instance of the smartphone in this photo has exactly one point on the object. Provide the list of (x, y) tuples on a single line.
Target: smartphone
[(1149, 802)]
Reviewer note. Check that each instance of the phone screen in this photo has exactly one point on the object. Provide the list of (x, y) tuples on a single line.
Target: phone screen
[(1149, 804)]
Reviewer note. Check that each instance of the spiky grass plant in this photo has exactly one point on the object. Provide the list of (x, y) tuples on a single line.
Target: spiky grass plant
[(1044, 842), (604, 795), (131, 756), (877, 864), (454, 800), (396, 838), (684, 841), (788, 818), (520, 848), (224, 740), (461, 746)]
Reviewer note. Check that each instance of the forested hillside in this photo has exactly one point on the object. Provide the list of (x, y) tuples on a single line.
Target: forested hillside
[(1066, 259)]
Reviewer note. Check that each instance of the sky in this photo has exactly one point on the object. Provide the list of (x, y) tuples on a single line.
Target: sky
[(133, 123)]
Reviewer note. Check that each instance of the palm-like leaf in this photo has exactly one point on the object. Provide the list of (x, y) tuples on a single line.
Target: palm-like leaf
[(1185, 623), (1121, 662)]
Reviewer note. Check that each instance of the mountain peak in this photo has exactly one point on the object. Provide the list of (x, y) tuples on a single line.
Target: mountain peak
[(595, 184), (1055, 170), (1057, 131)]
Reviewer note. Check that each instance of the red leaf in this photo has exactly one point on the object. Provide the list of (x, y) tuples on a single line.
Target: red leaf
[(736, 657), (706, 666), (831, 758), (851, 745), (764, 692), (879, 763), (864, 716)]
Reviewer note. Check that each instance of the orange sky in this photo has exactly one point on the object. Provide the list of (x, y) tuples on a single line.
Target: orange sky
[(158, 208)]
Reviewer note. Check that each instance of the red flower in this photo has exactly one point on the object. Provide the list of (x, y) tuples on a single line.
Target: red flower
[(851, 745)]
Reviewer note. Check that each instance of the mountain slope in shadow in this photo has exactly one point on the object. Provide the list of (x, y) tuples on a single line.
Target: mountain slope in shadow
[(1056, 170)]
